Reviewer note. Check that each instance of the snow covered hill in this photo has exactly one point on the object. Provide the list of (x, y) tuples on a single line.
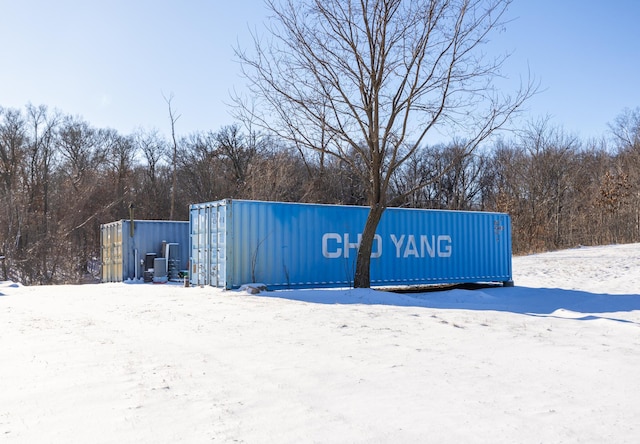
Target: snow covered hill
[(554, 359)]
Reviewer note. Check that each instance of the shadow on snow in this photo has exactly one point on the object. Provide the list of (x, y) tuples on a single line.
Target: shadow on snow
[(521, 300)]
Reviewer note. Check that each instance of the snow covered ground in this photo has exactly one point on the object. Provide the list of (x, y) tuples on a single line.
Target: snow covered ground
[(554, 359)]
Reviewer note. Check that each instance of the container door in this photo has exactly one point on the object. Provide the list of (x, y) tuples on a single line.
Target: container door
[(212, 245), (105, 253), (197, 244), (221, 247), (215, 245), (117, 254), (111, 252), (208, 244)]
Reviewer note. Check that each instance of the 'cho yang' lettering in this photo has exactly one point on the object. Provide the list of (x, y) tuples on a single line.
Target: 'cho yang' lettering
[(336, 245), (340, 245), (422, 246)]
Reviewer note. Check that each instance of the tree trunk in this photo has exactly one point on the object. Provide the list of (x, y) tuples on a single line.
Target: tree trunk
[(362, 278), (3, 264)]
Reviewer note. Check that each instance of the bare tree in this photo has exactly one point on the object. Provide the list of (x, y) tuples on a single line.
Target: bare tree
[(626, 129), (174, 156), (375, 78), (42, 153), (153, 183), (13, 148), (121, 153), (236, 151), (153, 148), (442, 177), (78, 146), (200, 171), (549, 177)]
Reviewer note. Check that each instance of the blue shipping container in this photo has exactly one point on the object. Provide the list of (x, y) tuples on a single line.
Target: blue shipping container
[(293, 245), (123, 249)]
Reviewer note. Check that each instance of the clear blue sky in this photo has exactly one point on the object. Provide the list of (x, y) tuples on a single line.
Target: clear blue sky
[(110, 62)]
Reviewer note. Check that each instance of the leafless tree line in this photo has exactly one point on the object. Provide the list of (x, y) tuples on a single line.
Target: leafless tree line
[(60, 178), (560, 191)]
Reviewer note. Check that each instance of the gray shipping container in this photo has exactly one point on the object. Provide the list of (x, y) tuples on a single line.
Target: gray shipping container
[(292, 245), (123, 255)]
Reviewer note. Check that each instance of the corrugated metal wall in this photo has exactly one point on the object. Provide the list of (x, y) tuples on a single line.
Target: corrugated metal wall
[(287, 245), (118, 248)]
